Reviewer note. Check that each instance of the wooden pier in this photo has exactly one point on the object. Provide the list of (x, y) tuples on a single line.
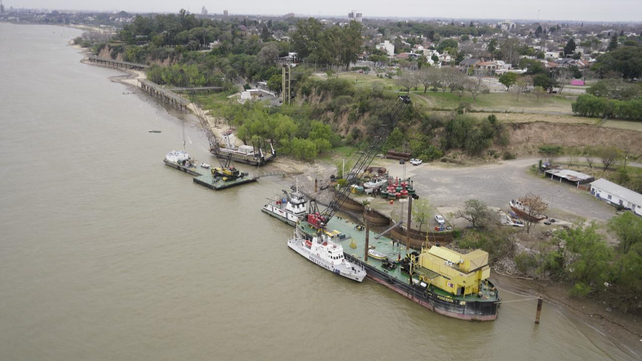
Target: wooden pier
[(164, 95), (116, 64)]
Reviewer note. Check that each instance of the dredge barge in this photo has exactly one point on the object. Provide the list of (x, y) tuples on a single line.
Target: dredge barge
[(442, 280)]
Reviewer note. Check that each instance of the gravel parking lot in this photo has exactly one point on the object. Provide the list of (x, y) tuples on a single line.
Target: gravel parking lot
[(497, 184)]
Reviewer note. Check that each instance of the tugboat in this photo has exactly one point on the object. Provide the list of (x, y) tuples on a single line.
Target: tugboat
[(289, 209), (327, 254)]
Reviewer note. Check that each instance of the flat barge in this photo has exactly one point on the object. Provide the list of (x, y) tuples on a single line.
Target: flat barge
[(205, 178), (443, 280)]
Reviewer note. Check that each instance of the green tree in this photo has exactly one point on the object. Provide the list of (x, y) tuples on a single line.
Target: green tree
[(538, 31), (544, 81), (612, 44), (588, 257), (476, 212), (625, 60), (350, 43), (421, 211), (570, 47), (447, 44), (275, 83), (508, 80), (628, 228)]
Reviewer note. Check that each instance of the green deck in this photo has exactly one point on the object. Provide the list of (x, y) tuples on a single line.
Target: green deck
[(383, 245)]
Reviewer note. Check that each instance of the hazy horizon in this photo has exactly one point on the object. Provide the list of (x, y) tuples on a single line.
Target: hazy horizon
[(571, 10)]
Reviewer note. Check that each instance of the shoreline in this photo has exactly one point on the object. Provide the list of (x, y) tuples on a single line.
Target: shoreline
[(613, 325)]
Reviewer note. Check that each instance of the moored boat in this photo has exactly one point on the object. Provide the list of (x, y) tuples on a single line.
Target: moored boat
[(290, 208), (442, 280), (326, 254)]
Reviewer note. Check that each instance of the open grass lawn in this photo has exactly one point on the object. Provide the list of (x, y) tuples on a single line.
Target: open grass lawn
[(212, 101), (497, 101), (363, 80)]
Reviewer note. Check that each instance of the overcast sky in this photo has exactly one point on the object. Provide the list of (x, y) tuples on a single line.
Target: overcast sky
[(590, 10)]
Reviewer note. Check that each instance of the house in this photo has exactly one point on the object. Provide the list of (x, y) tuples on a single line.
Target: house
[(388, 47), (485, 67), (617, 195), (467, 64)]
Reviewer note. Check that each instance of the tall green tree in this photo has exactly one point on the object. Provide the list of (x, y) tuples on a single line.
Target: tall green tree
[(570, 47), (628, 228), (612, 44), (350, 43)]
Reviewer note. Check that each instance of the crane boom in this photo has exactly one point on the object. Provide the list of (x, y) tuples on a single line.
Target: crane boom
[(319, 220)]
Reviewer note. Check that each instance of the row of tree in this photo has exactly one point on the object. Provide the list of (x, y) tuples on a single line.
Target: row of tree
[(588, 105)]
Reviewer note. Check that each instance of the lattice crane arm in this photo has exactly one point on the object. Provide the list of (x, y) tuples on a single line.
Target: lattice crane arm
[(364, 160)]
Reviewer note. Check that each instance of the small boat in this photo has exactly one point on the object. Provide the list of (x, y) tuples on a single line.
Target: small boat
[(522, 212), (205, 165), (376, 255), (154, 131)]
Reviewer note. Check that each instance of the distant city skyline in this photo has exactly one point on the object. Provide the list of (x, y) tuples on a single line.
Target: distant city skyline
[(573, 10)]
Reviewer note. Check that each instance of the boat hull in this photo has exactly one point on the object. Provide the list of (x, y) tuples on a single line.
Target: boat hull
[(244, 158), (523, 215), (356, 274)]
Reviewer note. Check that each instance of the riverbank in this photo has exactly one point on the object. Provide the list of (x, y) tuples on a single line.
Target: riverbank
[(620, 328), (607, 322)]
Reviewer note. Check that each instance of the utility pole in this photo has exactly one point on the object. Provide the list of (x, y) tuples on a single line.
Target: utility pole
[(409, 220), (367, 219), (286, 74)]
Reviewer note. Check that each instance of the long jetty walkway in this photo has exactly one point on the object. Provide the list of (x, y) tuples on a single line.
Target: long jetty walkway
[(115, 63), (165, 95)]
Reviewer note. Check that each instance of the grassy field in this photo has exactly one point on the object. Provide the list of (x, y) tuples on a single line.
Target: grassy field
[(497, 101), (211, 101), (366, 80)]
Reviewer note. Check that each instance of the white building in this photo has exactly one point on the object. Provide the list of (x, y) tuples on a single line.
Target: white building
[(617, 195), (353, 16), (388, 47), (506, 25)]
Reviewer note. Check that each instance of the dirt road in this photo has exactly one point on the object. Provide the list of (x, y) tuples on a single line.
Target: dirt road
[(497, 184)]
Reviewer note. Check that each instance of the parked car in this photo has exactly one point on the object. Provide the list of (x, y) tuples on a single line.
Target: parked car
[(415, 161), (440, 220), (401, 161)]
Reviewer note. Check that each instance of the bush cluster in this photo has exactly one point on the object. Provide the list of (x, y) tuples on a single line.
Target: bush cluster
[(591, 106)]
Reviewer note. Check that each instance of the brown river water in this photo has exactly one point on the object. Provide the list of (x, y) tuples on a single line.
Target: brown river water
[(107, 254)]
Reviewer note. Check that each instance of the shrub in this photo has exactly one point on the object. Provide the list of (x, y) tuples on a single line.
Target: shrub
[(580, 289), (550, 149), (508, 156), (525, 262)]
